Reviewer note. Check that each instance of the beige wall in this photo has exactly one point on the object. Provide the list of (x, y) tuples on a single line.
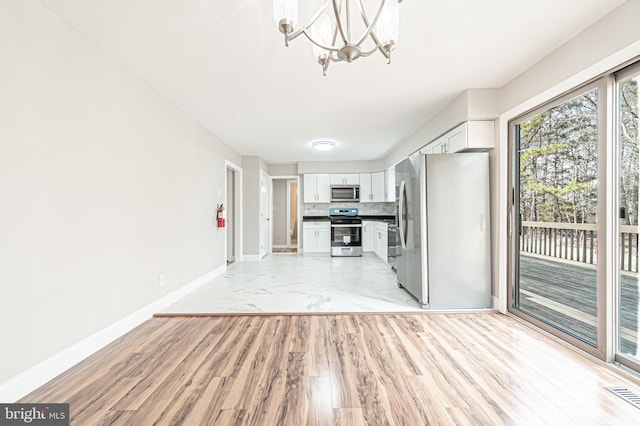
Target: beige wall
[(104, 185)]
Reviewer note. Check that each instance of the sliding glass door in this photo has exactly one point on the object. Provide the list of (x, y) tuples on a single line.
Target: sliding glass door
[(556, 203), (574, 242), (628, 137)]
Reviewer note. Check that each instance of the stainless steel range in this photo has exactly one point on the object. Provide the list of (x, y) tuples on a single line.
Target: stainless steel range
[(346, 232)]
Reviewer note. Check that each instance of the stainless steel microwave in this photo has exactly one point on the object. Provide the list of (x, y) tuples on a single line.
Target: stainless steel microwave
[(342, 193)]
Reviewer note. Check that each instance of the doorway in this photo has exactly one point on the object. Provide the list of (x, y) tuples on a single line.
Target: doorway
[(233, 245), (559, 240), (285, 214)]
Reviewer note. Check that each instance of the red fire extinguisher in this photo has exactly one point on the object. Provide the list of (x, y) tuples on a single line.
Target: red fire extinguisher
[(220, 216)]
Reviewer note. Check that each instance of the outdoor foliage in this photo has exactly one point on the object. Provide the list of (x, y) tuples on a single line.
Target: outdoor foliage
[(558, 160), (629, 145)]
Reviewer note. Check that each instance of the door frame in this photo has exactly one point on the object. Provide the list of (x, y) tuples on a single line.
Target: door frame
[(290, 182), (265, 246), (287, 179), (614, 355), (237, 210), (605, 210)]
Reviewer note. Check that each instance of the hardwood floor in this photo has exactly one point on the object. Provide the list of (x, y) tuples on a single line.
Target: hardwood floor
[(409, 369)]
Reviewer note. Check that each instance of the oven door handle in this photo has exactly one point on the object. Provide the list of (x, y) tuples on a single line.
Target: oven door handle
[(347, 226)]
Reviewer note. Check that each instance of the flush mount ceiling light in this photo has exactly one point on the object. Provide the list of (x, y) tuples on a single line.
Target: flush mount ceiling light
[(323, 145), (335, 35)]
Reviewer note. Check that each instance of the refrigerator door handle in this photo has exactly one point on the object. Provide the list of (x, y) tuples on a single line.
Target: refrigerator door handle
[(401, 224)]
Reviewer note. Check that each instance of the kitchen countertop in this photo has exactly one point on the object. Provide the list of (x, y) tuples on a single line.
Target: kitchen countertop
[(383, 218), (315, 218)]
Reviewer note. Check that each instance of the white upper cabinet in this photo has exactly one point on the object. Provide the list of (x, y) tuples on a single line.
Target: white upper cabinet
[(390, 181), (365, 187), (317, 188), (467, 137), (372, 187), (378, 187), (345, 179)]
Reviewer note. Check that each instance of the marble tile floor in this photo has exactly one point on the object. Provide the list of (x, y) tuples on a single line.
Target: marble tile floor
[(294, 283)]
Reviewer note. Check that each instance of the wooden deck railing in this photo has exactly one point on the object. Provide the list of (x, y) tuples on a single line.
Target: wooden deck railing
[(577, 242)]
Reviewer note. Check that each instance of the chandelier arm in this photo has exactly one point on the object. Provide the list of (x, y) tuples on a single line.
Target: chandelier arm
[(330, 49), (370, 52), (336, 12), (348, 11), (378, 46), (369, 30)]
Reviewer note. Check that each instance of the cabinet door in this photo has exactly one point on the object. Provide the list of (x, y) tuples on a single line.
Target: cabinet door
[(457, 138), (480, 135), (352, 179), (365, 187), (323, 242), (377, 242), (310, 185), (368, 231), (390, 182), (377, 187), (381, 241), (438, 146), (309, 239), (337, 179), (384, 242), (323, 188)]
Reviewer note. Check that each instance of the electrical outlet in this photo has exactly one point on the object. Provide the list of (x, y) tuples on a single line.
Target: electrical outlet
[(161, 280)]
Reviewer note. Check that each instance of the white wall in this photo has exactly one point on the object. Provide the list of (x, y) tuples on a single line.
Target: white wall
[(283, 169), (340, 166), (251, 166), (104, 185)]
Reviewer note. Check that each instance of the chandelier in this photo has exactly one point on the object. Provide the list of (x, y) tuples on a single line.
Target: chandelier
[(337, 34)]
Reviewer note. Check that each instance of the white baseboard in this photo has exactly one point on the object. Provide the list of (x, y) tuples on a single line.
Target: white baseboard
[(36, 376)]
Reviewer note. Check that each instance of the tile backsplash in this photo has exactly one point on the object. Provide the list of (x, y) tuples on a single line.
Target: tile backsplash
[(322, 209)]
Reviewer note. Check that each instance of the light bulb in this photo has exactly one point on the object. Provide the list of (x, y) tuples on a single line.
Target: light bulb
[(321, 32), (285, 10), (387, 27)]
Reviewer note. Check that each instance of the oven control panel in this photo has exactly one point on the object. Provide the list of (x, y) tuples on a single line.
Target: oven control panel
[(343, 212)]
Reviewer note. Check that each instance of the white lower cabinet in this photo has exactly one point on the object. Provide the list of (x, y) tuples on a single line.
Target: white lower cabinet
[(316, 237), (368, 236), (381, 240)]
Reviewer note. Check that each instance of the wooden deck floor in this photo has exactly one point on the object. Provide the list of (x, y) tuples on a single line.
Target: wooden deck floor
[(564, 295), (413, 369)]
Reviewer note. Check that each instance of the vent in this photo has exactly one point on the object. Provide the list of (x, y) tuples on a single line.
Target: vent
[(624, 393)]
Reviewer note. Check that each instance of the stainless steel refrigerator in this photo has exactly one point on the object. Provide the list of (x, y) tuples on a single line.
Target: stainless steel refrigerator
[(443, 224)]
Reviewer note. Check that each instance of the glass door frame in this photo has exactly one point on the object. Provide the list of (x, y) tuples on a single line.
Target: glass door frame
[(604, 223), (615, 356)]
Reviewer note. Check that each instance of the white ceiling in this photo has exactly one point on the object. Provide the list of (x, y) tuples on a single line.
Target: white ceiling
[(224, 63)]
